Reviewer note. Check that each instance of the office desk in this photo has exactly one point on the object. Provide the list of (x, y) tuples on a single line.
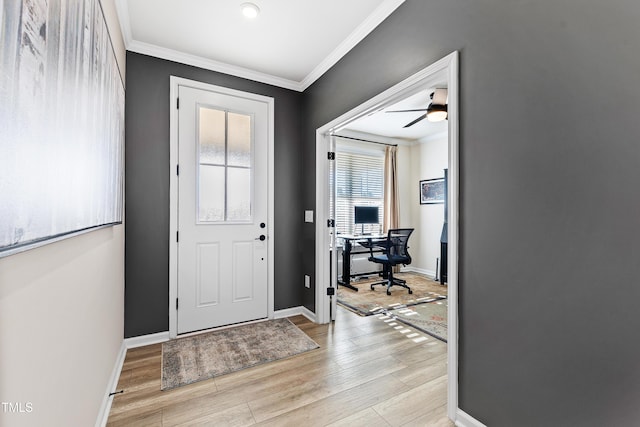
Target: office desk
[(349, 240)]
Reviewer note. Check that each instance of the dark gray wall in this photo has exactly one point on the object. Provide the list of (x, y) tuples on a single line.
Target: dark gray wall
[(147, 189), (550, 166)]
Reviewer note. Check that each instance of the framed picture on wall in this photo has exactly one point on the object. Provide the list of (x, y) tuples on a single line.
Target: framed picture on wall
[(432, 191)]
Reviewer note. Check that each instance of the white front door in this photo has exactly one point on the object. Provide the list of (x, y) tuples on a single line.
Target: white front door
[(222, 209)]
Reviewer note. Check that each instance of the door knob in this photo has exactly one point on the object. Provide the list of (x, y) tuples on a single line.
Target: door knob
[(261, 238)]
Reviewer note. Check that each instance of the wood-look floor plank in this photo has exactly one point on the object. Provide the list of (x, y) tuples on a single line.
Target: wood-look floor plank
[(340, 405), (365, 418), (312, 360), (295, 379), (424, 371), (199, 408), (365, 373), (309, 390), (151, 398), (332, 343), (384, 336), (151, 419), (414, 403), (424, 351), (436, 418), (236, 416), (123, 381), (372, 352)]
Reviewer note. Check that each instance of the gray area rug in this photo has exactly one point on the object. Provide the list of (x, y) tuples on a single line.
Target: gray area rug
[(211, 354), (430, 317), (366, 302)]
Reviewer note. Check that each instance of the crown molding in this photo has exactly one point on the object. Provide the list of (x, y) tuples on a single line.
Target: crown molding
[(369, 24), (381, 13), (209, 64)]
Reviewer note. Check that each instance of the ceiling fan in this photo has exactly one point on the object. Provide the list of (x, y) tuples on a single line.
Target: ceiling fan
[(435, 112)]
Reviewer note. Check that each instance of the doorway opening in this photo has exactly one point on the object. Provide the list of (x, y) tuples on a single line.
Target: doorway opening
[(442, 73)]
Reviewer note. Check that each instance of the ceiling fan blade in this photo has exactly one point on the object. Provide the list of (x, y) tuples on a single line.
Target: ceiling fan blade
[(424, 116), (406, 111)]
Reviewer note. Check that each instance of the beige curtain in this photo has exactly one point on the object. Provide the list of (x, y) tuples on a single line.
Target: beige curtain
[(391, 202)]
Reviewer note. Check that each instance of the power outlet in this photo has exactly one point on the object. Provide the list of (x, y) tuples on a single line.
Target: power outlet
[(307, 281)]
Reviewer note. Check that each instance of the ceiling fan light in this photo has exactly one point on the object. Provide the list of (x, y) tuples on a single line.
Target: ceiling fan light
[(436, 113), (250, 10)]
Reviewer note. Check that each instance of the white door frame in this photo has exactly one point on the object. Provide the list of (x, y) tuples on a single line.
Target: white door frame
[(175, 82), (424, 78)]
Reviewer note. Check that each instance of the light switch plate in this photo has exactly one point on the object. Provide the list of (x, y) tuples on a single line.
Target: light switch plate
[(308, 216)]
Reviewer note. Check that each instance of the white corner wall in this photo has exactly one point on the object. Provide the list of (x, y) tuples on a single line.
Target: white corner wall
[(62, 320), (407, 195), (428, 161), (111, 16), (61, 328)]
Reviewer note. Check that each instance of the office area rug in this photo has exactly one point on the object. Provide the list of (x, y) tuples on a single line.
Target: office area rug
[(211, 354), (430, 318), (366, 302)]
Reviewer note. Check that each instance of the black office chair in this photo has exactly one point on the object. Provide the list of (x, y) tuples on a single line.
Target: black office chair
[(395, 253)]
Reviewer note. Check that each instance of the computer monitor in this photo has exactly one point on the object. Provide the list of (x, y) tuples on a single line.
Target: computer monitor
[(366, 215)]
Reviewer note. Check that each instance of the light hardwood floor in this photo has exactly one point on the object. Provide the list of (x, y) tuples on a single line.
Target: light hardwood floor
[(367, 372)]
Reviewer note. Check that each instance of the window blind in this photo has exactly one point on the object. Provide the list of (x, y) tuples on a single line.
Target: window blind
[(359, 182)]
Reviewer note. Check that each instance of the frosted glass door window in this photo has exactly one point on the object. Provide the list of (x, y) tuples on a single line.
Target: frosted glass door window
[(239, 140), (211, 194), (225, 159), (212, 136), (238, 199)]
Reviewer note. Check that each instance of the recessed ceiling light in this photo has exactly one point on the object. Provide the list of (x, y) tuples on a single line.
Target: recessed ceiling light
[(250, 10)]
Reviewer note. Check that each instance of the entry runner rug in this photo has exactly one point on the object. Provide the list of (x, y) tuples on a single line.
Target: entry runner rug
[(430, 318), (366, 302), (200, 357)]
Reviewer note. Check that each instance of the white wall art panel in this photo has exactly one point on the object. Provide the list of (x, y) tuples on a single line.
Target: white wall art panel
[(61, 122)]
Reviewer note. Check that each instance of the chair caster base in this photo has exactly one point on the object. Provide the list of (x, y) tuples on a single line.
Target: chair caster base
[(394, 282)]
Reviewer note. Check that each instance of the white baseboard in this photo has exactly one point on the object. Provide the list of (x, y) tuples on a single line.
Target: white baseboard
[(422, 271), (143, 340), (295, 311), (309, 314), (465, 420), (105, 408)]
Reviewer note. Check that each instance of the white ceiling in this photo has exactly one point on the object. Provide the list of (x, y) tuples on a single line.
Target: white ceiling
[(290, 44), (390, 125)]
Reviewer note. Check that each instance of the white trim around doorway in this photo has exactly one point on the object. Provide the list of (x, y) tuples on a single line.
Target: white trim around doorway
[(447, 66), (175, 82)]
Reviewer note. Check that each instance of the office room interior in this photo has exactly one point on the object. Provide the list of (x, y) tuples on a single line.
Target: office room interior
[(548, 235), (418, 159)]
